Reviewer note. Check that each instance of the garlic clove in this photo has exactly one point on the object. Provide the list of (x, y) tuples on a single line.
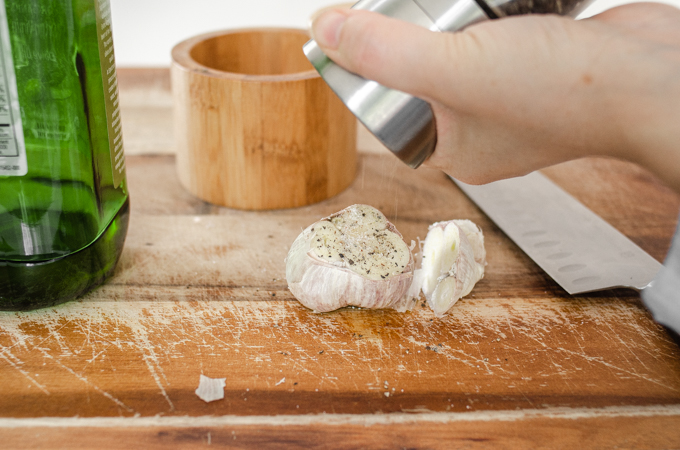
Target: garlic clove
[(453, 260), (476, 238), (354, 257)]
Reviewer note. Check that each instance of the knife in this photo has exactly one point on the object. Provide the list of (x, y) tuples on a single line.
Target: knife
[(576, 247)]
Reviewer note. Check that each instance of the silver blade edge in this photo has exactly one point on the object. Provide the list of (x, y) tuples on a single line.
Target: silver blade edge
[(576, 247)]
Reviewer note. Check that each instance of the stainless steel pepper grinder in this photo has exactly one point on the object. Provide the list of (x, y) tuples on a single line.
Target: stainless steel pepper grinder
[(403, 123)]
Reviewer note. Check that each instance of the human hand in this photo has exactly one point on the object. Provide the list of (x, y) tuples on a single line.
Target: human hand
[(517, 94)]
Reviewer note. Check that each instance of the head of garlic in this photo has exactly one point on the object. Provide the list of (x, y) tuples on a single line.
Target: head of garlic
[(354, 257), (453, 260)]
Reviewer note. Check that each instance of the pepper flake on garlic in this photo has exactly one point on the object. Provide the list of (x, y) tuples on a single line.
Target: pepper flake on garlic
[(354, 257)]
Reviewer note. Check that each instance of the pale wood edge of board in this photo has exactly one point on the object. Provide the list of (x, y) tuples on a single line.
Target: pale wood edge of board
[(642, 427)]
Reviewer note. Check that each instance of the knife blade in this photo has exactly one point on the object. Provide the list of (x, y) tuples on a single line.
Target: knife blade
[(576, 247)]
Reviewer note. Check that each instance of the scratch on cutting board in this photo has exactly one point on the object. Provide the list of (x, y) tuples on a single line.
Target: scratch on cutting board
[(85, 319), (15, 364), (538, 324), (22, 339), (461, 356), (270, 340)]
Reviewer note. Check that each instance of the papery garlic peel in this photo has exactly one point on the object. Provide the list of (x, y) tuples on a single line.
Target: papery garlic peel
[(453, 260), (354, 257)]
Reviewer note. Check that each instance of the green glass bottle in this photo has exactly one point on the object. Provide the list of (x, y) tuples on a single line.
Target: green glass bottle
[(63, 195)]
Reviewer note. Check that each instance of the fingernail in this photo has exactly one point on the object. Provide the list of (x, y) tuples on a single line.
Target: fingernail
[(326, 29)]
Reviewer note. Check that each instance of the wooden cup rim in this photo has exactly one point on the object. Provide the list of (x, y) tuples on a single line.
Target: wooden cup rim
[(181, 57)]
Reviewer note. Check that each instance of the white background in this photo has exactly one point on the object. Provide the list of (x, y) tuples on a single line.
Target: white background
[(146, 30)]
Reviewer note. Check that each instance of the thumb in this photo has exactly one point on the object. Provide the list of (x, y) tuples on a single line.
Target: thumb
[(382, 49)]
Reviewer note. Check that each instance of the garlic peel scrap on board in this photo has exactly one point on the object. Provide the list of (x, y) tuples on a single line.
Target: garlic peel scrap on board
[(354, 257), (453, 260), (210, 389)]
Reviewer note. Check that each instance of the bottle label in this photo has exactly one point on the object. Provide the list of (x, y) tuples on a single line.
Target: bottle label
[(12, 147), (110, 81)]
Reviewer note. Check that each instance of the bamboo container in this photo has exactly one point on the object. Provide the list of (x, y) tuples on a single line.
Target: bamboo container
[(256, 127)]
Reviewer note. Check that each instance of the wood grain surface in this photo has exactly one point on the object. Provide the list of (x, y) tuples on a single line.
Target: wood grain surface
[(256, 127), (200, 290)]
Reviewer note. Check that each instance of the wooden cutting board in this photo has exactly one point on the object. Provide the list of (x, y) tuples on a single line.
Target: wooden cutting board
[(201, 290)]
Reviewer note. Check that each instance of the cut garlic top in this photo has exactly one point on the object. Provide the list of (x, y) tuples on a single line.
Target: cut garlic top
[(360, 239), (354, 257)]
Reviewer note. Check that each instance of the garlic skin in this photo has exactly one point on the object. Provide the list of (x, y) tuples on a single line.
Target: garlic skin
[(354, 257), (210, 389), (453, 260)]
